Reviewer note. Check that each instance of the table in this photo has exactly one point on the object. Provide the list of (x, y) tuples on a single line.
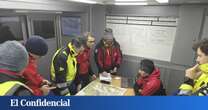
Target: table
[(116, 81), (96, 88)]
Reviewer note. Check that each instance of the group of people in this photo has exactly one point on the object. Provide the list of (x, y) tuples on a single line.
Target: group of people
[(195, 82), (71, 68)]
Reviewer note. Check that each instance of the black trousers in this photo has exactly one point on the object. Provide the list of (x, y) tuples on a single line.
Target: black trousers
[(71, 88), (136, 89), (83, 79)]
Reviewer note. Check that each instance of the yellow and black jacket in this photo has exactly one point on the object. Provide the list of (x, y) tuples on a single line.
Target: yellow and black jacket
[(63, 69), (198, 86), (12, 86)]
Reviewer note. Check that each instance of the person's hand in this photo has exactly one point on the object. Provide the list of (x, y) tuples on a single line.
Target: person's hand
[(193, 72), (94, 77), (46, 82), (79, 87), (111, 71), (138, 76), (140, 90), (46, 89), (114, 69)]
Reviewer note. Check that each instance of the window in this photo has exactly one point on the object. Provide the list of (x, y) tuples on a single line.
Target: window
[(10, 29), (44, 28), (71, 26)]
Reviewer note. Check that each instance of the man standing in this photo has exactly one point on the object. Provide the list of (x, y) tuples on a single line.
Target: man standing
[(13, 59), (64, 67), (108, 55), (83, 59), (36, 47)]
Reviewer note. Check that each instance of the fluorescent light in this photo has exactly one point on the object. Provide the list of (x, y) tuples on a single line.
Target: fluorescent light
[(137, 3), (162, 1), (37, 11), (130, 0), (85, 1)]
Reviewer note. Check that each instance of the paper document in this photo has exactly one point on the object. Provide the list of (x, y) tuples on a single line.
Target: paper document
[(105, 77)]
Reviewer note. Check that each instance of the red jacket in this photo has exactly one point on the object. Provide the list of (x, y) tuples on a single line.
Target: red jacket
[(108, 58), (150, 84), (34, 79), (83, 60)]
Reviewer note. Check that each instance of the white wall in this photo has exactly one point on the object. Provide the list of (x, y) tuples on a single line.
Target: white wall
[(46, 5), (188, 31)]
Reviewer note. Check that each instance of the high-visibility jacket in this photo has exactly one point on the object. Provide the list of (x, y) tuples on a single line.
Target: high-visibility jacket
[(10, 84), (64, 68), (199, 86), (10, 87)]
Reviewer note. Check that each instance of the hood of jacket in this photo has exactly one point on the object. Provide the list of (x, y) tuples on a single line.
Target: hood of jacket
[(155, 74)]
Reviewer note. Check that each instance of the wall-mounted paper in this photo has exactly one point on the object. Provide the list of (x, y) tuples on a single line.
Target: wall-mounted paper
[(154, 42)]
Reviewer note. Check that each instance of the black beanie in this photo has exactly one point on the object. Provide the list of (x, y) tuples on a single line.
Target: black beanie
[(147, 66), (36, 45)]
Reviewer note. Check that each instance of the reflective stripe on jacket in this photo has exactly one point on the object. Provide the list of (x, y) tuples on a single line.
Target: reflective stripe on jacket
[(10, 87), (64, 64), (198, 84)]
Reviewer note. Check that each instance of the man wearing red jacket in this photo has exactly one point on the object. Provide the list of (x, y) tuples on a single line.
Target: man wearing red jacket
[(148, 82), (108, 55), (36, 47), (83, 61)]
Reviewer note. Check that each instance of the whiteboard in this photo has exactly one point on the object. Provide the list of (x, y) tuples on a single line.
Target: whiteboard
[(154, 42)]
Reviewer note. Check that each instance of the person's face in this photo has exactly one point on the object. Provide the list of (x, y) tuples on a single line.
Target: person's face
[(108, 42), (35, 56), (142, 73), (90, 41), (201, 57)]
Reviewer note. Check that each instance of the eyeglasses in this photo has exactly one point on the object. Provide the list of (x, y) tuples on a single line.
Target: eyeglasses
[(91, 41)]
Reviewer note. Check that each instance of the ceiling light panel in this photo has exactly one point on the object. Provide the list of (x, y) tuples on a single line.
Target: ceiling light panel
[(162, 1), (131, 0), (85, 1), (137, 3)]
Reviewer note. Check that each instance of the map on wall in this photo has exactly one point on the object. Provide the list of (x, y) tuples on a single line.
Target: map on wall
[(144, 36), (71, 26)]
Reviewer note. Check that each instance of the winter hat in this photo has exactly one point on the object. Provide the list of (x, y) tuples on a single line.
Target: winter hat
[(36, 45), (147, 66), (13, 56), (108, 34)]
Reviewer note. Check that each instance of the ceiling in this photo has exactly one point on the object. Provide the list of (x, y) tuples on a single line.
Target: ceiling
[(154, 2), (111, 2)]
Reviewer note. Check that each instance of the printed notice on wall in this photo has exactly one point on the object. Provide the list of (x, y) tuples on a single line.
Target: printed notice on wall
[(149, 41)]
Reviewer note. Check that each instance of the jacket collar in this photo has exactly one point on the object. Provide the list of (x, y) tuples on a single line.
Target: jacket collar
[(6, 75), (72, 50), (204, 68)]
